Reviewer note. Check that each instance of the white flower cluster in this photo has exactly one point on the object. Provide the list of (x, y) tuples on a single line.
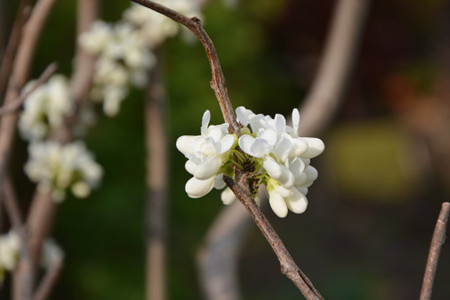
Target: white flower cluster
[(271, 149), (123, 59), (45, 108), (55, 167), (9, 253), (124, 50)]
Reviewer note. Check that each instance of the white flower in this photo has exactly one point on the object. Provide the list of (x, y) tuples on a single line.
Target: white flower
[(206, 154), (284, 155), (57, 167), (96, 39), (52, 254), (9, 251), (45, 108)]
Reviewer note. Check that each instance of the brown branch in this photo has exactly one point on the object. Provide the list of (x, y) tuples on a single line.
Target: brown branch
[(218, 83), (21, 67), (13, 42), (48, 282), (17, 103), (84, 62), (12, 204), (157, 197), (435, 250), (335, 67)]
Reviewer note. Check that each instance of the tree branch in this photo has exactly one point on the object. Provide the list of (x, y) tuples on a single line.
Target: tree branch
[(218, 83), (48, 282), (157, 194), (11, 204), (17, 103), (241, 188), (435, 250)]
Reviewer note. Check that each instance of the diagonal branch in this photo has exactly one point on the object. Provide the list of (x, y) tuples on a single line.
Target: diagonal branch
[(240, 187), (218, 83), (17, 103), (435, 250)]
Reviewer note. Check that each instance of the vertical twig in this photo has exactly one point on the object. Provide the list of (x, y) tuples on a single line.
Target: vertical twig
[(11, 204), (435, 250), (22, 63), (157, 198), (13, 42)]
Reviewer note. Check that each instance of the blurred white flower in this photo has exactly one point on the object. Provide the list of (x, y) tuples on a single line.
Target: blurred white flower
[(9, 251), (55, 168), (52, 254), (45, 108)]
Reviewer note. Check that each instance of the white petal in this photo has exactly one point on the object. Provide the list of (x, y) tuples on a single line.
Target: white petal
[(283, 148), (297, 166), (272, 167), (297, 202), (243, 115), (287, 178), (298, 148), (245, 143), (295, 121), (209, 167), (219, 184), (277, 204), (260, 148), (280, 123), (226, 143), (315, 147), (187, 143), (311, 175), (196, 188), (228, 196), (215, 132), (269, 135), (205, 122), (190, 166)]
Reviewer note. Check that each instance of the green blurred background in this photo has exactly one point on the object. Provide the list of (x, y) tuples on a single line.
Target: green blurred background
[(383, 175)]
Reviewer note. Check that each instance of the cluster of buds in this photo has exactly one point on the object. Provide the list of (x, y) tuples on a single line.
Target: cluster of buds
[(45, 108), (55, 168), (267, 147)]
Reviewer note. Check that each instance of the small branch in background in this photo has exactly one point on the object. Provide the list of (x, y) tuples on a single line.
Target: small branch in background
[(48, 282), (218, 83), (84, 62), (17, 103), (19, 76), (336, 66), (157, 194), (435, 250), (11, 204), (13, 42), (217, 258)]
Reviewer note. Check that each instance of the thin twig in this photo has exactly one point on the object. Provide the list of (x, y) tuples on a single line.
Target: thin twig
[(20, 70), (48, 282), (218, 83), (435, 250), (13, 42), (17, 103), (157, 194), (11, 204), (241, 188)]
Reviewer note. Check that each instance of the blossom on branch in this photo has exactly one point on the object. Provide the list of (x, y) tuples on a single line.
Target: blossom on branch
[(55, 168), (267, 147)]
